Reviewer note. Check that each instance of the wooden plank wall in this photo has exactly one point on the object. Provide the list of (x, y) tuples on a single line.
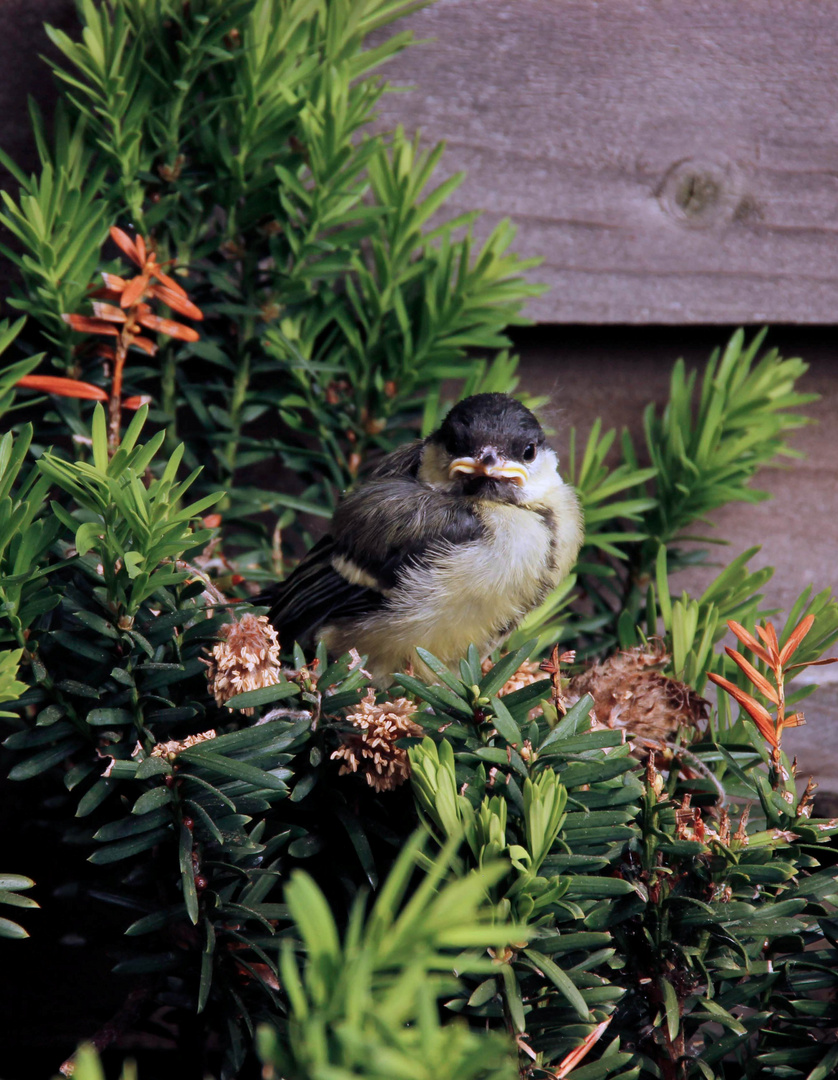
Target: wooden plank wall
[(671, 162)]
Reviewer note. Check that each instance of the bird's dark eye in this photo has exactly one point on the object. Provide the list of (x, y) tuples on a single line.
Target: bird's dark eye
[(529, 452)]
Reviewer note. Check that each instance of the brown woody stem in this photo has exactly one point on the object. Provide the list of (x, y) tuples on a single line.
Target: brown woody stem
[(777, 778), (115, 400)]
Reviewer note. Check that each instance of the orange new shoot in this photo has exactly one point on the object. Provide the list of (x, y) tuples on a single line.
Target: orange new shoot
[(120, 311), (777, 660)]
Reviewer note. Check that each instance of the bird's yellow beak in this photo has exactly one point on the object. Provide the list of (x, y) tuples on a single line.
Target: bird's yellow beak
[(496, 467)]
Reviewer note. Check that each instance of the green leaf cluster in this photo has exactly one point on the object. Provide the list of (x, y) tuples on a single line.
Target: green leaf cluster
[(236, 137), (11, 886), (136, 532), (367, 1005), (699, 452), (10, 373), (555, 802), (26, 536), (688, 936)]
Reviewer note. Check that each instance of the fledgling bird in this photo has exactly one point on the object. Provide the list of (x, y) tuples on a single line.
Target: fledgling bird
[(452, 539)]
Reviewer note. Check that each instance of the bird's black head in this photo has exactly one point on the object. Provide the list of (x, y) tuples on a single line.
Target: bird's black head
[(490, 419), (489, 444)]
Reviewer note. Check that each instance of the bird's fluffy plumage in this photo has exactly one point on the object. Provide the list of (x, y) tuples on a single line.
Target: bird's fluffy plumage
[(451, 541)]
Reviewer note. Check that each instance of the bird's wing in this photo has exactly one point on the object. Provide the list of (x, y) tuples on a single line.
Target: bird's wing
[(315, 593), (393, 522), (402, 462), (378, 530)]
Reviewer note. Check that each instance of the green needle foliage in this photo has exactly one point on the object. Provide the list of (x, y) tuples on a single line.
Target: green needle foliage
[(480, 875), (367, 1006), (236, 138), (11, 886), (12, 372), (704, 449)]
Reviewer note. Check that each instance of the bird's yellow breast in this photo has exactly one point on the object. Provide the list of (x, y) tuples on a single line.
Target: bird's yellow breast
[(476, 592)]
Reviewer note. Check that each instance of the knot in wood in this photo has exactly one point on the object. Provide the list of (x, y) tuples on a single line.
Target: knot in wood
[(699, 194)]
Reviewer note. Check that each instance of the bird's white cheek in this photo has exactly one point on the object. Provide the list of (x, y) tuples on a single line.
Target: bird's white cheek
[(542, 481)]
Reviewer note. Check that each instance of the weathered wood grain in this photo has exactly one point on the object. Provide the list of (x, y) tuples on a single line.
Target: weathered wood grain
[(671, 162)]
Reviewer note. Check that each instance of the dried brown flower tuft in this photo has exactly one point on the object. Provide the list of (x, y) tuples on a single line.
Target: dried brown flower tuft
[(373, 749), (631, 693), (247, 659), (173, 747)]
